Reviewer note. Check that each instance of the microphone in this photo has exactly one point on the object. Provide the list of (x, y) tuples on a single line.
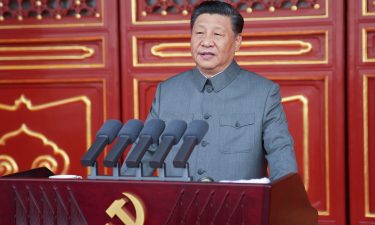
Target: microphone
[(149, 134), (193, 136), (170, 137), (106, 134), (126, 136)]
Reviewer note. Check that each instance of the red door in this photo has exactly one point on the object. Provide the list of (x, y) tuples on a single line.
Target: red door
[(299, 44)]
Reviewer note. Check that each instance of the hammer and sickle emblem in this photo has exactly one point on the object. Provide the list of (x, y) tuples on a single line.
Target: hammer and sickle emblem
[(123, 214)]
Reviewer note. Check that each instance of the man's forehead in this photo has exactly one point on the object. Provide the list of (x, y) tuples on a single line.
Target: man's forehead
[(200, 21)]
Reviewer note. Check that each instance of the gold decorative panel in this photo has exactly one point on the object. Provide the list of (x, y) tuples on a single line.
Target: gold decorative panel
[(368, 45), (43, 53), (289, 48), (368, 7), (176, 12)]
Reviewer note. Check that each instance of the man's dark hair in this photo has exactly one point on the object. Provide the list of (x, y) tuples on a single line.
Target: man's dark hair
[(221, 8)]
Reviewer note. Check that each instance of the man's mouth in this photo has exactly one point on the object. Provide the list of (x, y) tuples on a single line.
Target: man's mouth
[(206, 55)]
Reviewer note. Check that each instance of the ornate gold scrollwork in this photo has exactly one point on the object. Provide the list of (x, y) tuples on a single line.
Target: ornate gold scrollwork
[(7, 165), (47, 161)]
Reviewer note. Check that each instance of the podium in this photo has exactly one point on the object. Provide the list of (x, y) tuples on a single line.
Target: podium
[(80, 201)]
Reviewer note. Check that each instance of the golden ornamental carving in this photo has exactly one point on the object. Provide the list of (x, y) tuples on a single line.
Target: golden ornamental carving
[(8, 165), (46, 159), (57, 151)]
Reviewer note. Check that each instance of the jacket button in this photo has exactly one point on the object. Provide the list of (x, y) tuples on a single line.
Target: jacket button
[(206, 116), (201, 171), (209, 89), (237, 124), (204, 143)]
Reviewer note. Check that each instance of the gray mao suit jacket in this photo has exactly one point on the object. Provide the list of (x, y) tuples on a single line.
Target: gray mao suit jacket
[(247, 125)]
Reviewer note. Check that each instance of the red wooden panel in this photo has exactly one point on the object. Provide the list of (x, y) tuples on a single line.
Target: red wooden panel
[(361, 111), (52, 129)]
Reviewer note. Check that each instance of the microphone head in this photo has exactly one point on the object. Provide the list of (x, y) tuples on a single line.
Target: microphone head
[(132, 128), (109, 129), (175, 129), (153, 128), (197, 128)]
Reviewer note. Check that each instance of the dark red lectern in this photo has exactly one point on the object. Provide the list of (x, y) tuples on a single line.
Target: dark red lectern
[(52, 201)]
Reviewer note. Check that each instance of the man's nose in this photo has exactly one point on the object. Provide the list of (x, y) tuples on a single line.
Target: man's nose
[(207, 40)]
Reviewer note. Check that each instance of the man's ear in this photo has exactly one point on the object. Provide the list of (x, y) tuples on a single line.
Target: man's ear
[(238, 41)]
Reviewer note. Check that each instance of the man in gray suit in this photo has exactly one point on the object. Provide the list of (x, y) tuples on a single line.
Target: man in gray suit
[(247, 125)]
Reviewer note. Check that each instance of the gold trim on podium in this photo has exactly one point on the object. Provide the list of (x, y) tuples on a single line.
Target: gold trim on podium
[(366, 157)]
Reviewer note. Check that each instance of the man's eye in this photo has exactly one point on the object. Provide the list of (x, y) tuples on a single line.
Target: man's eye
[(218, 34), (199, 32)]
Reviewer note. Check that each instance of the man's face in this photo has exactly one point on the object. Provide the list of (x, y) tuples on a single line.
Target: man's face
[(213, 43)]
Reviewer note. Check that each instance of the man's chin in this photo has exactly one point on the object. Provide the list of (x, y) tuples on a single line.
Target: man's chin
[(206, 65)]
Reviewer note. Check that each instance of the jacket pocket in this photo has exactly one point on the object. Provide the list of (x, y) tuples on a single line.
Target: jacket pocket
[(236, 133)]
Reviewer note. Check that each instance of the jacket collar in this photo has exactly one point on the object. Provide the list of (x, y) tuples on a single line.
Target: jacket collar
[(220, 81)]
